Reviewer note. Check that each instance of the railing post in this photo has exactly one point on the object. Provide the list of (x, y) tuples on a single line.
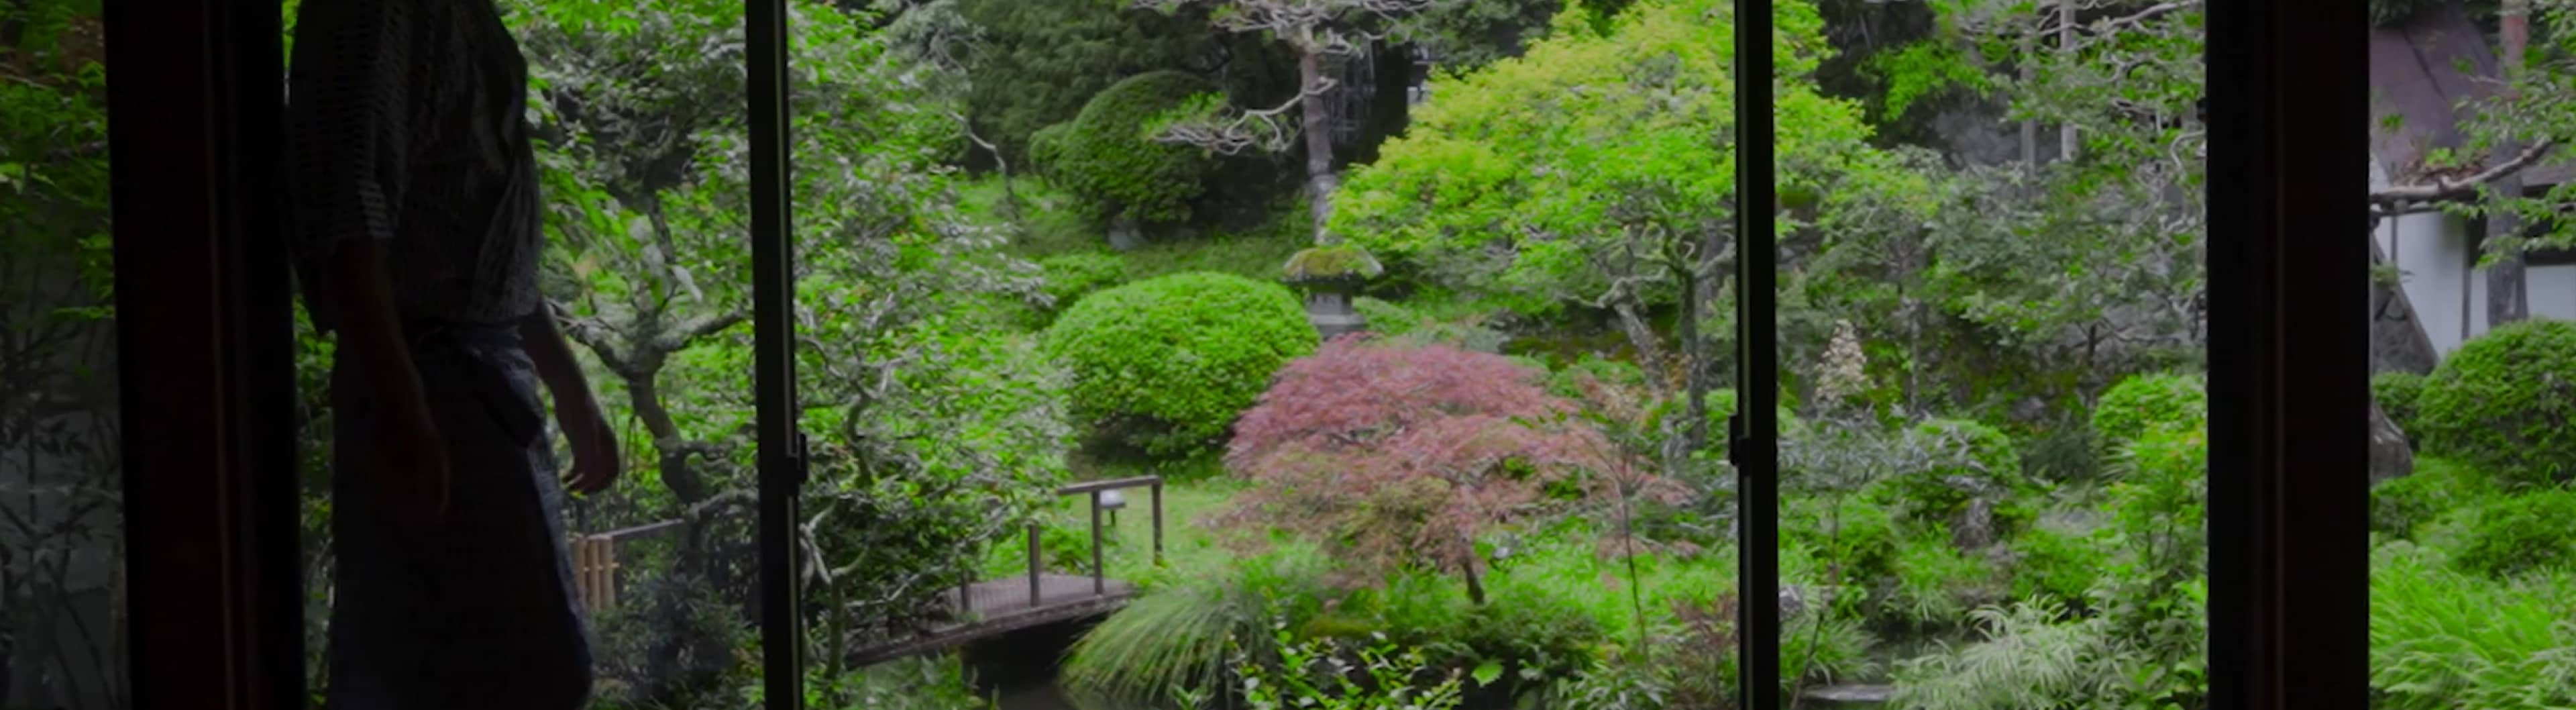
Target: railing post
[(1034, 565), (1099, 572), (1158, 522)]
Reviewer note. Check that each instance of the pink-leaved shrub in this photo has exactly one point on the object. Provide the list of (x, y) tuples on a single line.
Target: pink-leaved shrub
[(1396, 454)]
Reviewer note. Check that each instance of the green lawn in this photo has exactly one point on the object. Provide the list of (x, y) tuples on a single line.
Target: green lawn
[(1188, 541)]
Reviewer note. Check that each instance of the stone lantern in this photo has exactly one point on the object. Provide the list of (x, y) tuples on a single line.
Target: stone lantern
[(1331, 275)]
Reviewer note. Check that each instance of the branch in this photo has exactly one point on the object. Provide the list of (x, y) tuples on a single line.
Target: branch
[(2443, 190), (590, 334), (701, 326), (1258, 129)]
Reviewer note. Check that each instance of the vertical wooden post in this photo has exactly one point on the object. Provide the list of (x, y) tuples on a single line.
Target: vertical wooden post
[(605, 550), (1034, 565), (1099, 572), (581, 572), (1158, 522)]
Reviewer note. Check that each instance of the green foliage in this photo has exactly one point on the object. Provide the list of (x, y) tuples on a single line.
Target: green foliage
[(1591, 142), (2063, 453), (2519, 533), (1167, 363), (1181, 634), (2399, 394), (2503, 401), (1069, 277), (918, 683), (1935, 584), (1110, 161), (1402, 322), (1034, 63), (1048, 147), (1468, 35), (1857, 537), (2400, 506), (1318, 674), (2055, 566), (2144, 404), (2442, 638), (1974, 460), (1920, 70)]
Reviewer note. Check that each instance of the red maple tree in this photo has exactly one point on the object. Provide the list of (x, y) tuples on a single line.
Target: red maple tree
[(1398, 454)]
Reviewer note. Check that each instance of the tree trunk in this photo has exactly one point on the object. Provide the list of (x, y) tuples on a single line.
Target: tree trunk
[(646, 396), (1317, 118), (2066, 46), (1694, 435), (1650, 351), (2508, 295), (2029, 128)]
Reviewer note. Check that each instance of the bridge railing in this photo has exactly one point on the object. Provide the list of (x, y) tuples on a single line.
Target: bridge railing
[(1097, 491), (596, 568)]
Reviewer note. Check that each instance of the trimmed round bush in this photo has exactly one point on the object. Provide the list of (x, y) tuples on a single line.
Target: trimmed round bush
[(1046, 148), (1167, 363), (2146, 403), (2519, 533), (1108, 159), (2398, 394), (2503, 402)]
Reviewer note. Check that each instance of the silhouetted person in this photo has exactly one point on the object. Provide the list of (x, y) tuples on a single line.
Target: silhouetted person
[(416, 240)]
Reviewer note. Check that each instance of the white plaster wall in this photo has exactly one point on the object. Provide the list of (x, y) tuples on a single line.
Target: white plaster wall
[(2553, 292), (2432, 254)]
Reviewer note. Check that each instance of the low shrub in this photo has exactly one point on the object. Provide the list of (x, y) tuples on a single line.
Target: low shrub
[(1855, 537), (1935, 585), (2055, 565), (2503, 402), (2145, 403), (2519, 533), (2398, 394), (1964, 460), (1167, 363), (2398, 506)]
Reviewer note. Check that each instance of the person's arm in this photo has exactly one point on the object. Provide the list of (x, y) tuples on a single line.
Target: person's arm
[(349, 117), (594, 444)]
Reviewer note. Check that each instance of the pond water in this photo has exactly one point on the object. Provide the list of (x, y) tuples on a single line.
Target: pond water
[(1020, 669)]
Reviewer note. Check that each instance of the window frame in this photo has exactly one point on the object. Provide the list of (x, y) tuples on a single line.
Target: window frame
[(205, 357)]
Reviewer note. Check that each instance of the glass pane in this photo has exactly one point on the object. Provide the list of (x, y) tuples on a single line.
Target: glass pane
[(1994, 466), (635, 118), (62, 580), (2473, 306), (1052, 245)]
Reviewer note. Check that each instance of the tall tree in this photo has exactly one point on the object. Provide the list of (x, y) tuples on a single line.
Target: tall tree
[(1323, 33)]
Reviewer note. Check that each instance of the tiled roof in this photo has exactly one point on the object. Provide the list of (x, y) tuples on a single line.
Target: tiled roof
[(2415, 73)]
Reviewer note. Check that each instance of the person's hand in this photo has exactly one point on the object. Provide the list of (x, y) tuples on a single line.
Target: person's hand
[(415, 465), (594, 450)]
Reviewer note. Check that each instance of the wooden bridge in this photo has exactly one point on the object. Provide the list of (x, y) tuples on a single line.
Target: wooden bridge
[(986, 608)]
